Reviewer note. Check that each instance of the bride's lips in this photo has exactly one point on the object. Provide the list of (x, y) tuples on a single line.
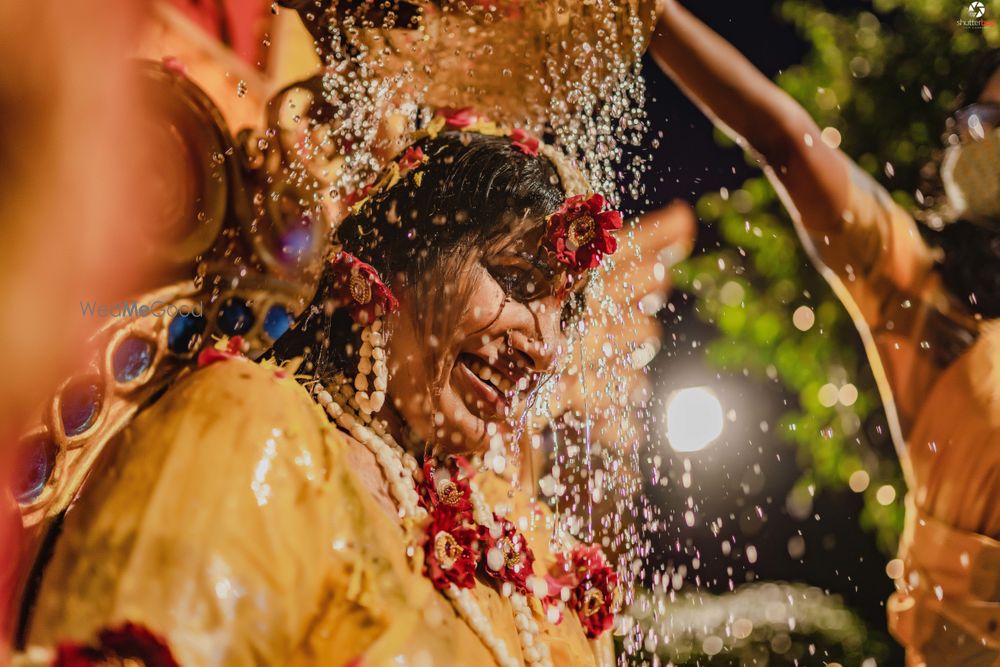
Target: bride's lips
[(486, 400)]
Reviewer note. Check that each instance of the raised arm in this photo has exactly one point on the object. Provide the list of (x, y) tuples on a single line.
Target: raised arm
[(756, 113), (854, 228)]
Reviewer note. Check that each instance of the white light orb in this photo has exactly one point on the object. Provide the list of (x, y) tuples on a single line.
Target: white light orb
[(859, 481), (803, 318), (694, 419), (828, 395), (885, 495), (848, 394)]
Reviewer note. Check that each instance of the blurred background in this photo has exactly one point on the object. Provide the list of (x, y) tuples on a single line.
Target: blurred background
[(789, 475)]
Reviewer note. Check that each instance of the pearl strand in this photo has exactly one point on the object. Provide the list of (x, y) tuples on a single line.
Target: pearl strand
[(400, 478), (536, 653), (379, 426), (473, 614), (400, 468), (372, 360), (481, 512)]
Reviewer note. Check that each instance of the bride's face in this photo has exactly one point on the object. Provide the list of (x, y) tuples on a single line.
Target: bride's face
[(502, 335)]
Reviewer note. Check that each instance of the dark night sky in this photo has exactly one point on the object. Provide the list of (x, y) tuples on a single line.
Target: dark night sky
[(839, 556)]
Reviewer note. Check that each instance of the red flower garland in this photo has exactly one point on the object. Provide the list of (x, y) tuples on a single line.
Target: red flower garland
[(358, 288), (579, 233), (455, 546), (592, 584), (518, 559), (128, 642), (451, 549), (449, 493)]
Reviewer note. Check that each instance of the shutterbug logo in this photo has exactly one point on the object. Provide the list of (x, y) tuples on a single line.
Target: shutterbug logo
[(975, 16)]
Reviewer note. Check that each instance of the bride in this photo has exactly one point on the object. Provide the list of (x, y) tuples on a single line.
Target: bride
[(324, 506)]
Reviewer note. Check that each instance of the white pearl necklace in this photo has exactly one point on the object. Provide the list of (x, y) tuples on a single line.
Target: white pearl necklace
[(370, 399), (399, 467), (402, 472)]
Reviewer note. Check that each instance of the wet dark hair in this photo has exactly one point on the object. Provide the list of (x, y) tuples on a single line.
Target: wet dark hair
[(970, 267), (475, 195)]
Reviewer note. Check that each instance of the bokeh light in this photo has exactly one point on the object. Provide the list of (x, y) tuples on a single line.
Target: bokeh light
[(694, 419)]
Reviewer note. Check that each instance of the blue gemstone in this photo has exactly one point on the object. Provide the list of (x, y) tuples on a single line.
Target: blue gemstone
[(183, 332), (35, 462), (276, 321), (131, 359), (79, 404), (235, 317)]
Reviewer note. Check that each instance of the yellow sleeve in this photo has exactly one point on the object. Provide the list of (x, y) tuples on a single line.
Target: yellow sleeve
[(206, 521), (877, 249)]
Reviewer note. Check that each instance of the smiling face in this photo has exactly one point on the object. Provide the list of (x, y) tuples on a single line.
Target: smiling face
[(499, 337), (459, 241)]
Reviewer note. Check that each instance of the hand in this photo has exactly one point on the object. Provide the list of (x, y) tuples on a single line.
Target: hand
[(661, 237)]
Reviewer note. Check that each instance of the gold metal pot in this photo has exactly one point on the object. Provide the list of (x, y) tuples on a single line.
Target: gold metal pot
[(514, 60)]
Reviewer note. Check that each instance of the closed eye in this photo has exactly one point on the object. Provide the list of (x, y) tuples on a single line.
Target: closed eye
[(521, 276)]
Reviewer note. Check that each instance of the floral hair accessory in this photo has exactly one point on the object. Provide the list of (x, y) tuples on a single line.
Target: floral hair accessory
[(458, 118), (579, 234), (509, 559), (525, 142), (353, 197), (589, 586), (131, 644), (224, 349), (358, 288), (413, 157), (451, 549)]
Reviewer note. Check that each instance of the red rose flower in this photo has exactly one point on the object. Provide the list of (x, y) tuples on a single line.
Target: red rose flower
[(579, 233), (525, 142), (449, 492), (451, 550), (506, 547), (592, 584), (234, 350), (357, 287), (412, 158), (458, 118), (128, 642)]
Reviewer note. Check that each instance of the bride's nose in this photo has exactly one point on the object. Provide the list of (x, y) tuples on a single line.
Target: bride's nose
[(548, 341)]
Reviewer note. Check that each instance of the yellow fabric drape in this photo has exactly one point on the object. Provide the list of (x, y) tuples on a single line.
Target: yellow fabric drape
[(939, 373), (226, 519)]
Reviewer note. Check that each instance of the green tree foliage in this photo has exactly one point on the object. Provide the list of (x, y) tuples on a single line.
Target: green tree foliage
[(883, 81)]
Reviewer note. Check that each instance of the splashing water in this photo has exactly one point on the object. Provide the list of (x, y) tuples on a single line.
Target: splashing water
[(569, 70)]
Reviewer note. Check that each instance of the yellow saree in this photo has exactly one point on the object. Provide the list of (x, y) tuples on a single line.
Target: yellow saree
[(227, 519)]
